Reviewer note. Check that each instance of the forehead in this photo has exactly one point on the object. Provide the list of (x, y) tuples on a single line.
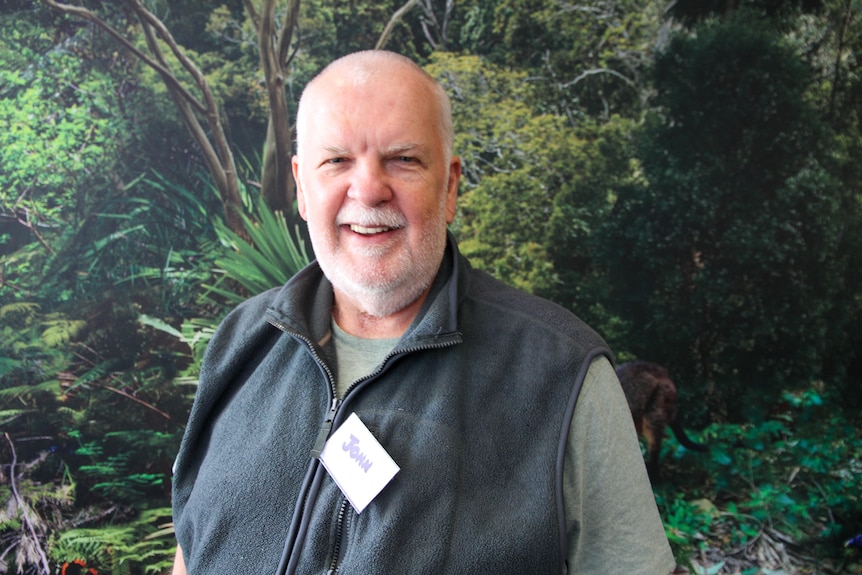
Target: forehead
[(382, 106)]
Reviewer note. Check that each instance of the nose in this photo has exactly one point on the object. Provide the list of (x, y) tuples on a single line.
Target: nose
[(370, 183)]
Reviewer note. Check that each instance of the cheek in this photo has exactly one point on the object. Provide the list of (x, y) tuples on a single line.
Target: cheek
[(321, 211)]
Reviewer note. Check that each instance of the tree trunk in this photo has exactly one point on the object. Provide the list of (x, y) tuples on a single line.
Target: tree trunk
[(277, 185)]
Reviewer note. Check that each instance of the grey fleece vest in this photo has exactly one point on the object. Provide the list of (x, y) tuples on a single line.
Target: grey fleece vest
[(474, 404)]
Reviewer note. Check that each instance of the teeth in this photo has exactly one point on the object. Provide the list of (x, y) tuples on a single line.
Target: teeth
[(368, 231)]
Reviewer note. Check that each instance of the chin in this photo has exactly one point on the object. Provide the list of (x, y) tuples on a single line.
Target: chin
[(381, 287), (384, 302)]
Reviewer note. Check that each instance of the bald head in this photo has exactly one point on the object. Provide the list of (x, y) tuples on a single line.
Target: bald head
[(366, 68)]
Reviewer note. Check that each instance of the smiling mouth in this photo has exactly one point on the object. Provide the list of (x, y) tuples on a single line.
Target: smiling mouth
[(370, 231)]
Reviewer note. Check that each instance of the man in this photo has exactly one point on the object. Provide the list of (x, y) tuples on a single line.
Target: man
[(470, 386)]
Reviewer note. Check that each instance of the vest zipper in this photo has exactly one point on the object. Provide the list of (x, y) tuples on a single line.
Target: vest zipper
[(323, 434), (339, 535), (330, 377), (286, 566), (406, 351), (345, 504), (307, 494), (326, 427)]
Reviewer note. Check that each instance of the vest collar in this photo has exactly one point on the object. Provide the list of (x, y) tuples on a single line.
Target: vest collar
[(304, 304)]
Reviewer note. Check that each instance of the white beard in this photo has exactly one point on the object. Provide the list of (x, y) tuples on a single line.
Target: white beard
[(384, 292)]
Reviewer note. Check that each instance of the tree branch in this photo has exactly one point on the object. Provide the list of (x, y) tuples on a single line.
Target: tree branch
[(285, 37), (595, 71), (252, 13), (220, 158), (166, 74), (276, 179), (125, 394), (212, 141), (399, 14)]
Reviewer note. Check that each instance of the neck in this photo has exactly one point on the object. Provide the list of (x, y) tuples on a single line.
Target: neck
[(352, 319)]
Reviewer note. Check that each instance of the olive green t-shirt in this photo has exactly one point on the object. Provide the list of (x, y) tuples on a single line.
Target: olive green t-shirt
[(357, 357)]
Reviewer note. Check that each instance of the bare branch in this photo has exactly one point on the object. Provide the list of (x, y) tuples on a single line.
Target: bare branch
[(399, 14), (430, 20), (27, 221), (120, 392), (593, 72), (252, 13), (217, 154), (285, 37), (167, 76), (212, 140)]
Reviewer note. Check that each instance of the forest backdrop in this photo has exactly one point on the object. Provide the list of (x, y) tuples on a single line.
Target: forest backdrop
[(685, 176)]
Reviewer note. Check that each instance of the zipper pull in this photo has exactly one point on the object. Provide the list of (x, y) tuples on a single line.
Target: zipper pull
[(323, 435)]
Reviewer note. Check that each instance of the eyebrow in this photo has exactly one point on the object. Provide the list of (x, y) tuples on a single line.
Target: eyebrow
[(392, 150), (397, 149), (337, 150)]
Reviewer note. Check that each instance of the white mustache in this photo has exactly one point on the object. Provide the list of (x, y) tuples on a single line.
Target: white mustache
[(371, 217)]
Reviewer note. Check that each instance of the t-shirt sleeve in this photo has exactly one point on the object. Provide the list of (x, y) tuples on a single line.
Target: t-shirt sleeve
[(612, 520)]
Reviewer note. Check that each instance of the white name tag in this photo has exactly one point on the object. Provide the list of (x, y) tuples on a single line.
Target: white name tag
[(357, 462)]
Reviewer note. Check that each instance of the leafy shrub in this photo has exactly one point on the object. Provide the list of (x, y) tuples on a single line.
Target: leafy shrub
[(791, 482)]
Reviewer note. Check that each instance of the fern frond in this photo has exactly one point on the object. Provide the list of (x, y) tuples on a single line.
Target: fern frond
[(52, 386), (61, 331), (117, 549), (23, 312)]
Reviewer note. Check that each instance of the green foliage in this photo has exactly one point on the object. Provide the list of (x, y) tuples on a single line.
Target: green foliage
[(28, 506), (26, 357), (31, 151), (791, 481), (587, 60), (143, 545), (58, 142), (242, 269), (498, 137), (534, 187), (61, 331), (20, 313), (81, 433), (113, 463), (272, 257), (737, 227), (169, 223), (690, 12)]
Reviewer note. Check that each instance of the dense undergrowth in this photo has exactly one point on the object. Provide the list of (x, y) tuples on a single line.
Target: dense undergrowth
[(780, 495)]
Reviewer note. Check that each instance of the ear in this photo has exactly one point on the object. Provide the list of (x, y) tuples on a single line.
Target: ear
[(452, 188), (300, 194)]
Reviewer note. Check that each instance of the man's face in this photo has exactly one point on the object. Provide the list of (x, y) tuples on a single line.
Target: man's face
[(374, 186)]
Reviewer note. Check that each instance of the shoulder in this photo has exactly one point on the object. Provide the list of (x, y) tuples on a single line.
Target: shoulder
[(282, 304), (247, 317), (501, 304)]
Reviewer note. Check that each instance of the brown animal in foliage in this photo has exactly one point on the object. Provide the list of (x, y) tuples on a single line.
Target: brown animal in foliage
[(651, 395)]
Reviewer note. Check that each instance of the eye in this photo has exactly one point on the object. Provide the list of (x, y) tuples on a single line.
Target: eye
[(405, 159), (334, 162)]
